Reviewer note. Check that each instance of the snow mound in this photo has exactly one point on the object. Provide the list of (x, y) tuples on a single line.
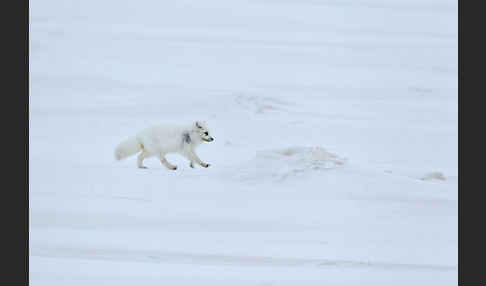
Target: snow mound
[(282, 164), (433, 176), (311, 158)]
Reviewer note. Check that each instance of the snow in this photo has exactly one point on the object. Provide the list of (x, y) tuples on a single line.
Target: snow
[(335, 152)]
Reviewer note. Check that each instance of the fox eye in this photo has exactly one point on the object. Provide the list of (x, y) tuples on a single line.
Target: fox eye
[(206, 133)]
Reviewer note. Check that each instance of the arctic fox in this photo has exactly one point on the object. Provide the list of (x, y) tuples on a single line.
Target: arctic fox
[(162, 139)]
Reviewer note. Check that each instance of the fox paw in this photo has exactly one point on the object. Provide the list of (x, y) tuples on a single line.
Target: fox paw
[(205, 165), (173, 168), (191, 165)]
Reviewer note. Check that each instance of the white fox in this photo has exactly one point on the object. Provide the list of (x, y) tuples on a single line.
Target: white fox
[(162, 139)]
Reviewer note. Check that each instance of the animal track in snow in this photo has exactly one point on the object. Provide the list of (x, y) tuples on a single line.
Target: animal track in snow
[(259, 104)]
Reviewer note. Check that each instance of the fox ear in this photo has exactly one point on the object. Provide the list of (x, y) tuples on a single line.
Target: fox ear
[(197, 124)]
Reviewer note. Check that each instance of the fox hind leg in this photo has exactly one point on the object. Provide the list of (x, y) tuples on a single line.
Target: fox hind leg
[(140, 159)]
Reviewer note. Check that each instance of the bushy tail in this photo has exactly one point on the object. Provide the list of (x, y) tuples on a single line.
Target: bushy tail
[(127, 148)]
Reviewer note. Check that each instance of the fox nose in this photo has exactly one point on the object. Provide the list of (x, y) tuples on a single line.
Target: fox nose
[(211, 139)]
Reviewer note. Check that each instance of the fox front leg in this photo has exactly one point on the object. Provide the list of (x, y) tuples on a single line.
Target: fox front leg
[(166, 163), (194, 158)]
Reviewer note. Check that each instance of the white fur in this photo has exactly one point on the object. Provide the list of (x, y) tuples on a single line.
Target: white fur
[(162, 139)]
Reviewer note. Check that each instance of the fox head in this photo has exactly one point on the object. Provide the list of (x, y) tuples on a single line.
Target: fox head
[(201, 128)]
